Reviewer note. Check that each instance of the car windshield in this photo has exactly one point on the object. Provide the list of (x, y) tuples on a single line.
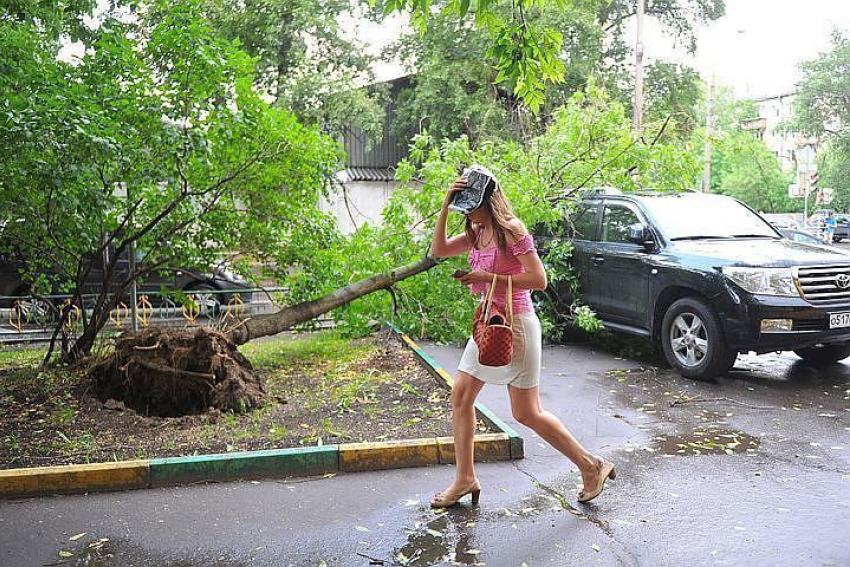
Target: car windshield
[(696, 217)]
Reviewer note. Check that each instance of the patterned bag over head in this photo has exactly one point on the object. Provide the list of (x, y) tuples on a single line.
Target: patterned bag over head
[(492, 328)]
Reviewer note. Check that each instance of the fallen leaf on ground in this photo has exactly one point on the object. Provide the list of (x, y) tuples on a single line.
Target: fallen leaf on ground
[(76, 537)]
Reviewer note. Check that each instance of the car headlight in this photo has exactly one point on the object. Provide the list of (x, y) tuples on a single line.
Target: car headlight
[(764, 281)]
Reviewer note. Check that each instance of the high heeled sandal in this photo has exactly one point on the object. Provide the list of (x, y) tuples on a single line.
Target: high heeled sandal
[(607, 471), (441, 500)]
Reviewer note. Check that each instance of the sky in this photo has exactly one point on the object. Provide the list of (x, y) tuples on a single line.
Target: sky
[(754, 49), (757, 46)]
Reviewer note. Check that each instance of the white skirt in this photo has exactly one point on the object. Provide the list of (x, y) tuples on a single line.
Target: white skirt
[(524, 369)]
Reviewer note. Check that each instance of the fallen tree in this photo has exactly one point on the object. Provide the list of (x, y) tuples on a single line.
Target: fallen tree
[(171, 372), (288, 317)]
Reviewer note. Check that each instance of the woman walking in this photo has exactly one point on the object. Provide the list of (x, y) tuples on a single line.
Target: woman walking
[(498, 243)]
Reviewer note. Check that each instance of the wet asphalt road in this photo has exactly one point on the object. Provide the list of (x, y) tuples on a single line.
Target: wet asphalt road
[(751, 470)]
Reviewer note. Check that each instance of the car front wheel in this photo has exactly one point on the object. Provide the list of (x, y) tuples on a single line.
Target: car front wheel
[(827, 354), (693, 342)]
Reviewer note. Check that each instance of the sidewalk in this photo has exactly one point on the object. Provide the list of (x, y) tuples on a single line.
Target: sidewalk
[(383, 515)]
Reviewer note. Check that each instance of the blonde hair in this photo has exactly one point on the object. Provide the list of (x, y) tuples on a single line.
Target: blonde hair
[(500, 211)]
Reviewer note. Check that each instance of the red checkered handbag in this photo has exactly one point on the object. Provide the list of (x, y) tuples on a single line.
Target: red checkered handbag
[(492, 328)]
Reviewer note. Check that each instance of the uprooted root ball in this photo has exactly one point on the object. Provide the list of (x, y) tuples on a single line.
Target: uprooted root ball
[(168, 372)]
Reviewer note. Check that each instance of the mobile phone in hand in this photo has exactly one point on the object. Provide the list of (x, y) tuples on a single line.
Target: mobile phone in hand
[(459, 273)]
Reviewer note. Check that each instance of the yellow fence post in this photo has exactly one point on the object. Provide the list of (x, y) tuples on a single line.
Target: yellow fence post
[(117, 316), (71, 314), (144, 311), (191, 309), (17, 315), (235, 307)]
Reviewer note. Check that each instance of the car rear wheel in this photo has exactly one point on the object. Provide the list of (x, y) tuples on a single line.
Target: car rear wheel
[(693, 342), (827, 354)]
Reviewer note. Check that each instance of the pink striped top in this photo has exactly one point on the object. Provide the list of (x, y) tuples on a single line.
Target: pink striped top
[(495, 261)]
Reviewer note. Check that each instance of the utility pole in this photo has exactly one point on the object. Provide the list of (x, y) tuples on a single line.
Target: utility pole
[(637, 111), (709, 128)]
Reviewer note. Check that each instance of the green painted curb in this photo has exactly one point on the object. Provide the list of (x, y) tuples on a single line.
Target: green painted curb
[(516, 443), (307, 461)]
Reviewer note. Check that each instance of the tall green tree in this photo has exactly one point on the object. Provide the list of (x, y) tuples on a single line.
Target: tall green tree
[(156, 139), (454, 82), (674, 91), (527, 53), (822, 109), (743, 167), (822, 104), (53, 19), (834, 172), (306, 58)]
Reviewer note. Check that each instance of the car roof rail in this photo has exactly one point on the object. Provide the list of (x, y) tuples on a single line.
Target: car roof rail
[(577, 195), (594, 191)]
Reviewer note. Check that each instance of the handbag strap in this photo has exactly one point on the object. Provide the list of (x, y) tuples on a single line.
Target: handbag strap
[(488, 298), (509, 300)]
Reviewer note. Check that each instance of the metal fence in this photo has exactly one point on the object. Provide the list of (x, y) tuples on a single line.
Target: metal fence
[(35, 319)]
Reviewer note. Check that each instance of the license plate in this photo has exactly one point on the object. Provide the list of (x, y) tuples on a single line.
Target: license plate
[(839, 320)]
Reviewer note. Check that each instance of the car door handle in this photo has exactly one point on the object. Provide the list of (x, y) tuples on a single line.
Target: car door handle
[(597, 259)]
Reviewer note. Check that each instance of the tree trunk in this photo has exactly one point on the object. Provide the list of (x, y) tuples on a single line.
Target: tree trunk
[(274, 323), (83, 345)]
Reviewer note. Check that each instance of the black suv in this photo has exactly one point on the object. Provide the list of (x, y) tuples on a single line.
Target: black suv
[(705, 277)]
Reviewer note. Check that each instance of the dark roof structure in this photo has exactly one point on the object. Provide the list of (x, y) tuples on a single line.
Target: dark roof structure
[(369, 174), (377, 162)]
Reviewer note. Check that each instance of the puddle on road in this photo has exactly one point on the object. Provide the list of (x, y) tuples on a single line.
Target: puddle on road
[(706, 442), (446, 538)]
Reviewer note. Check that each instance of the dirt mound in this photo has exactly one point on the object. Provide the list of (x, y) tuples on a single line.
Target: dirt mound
[(167, 372)]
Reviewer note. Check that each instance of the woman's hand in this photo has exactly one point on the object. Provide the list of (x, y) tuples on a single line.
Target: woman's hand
[(458, 185), (476, 276)]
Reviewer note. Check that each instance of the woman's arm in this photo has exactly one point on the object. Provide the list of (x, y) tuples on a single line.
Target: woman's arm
[(443, 247), (534, 276)]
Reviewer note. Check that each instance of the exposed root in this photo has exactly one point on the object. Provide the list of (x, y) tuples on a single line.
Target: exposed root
[(168, 372)]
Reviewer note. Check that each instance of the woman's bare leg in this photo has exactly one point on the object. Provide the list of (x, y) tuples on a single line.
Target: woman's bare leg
[(527, 409), (464, 393)]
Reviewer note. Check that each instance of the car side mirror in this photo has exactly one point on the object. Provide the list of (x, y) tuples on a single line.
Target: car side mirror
[(639, 235)]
